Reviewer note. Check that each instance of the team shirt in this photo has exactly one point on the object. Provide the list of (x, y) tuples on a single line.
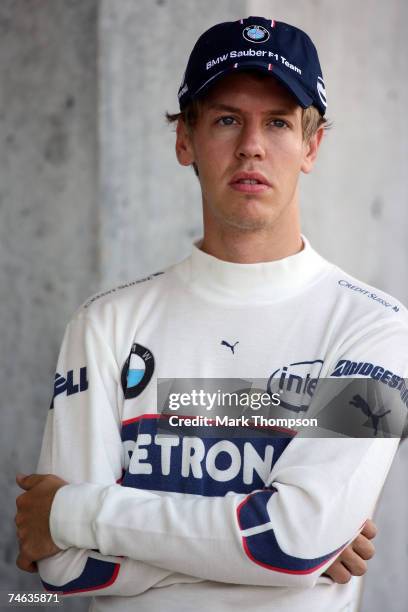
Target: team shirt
[(205, 519)]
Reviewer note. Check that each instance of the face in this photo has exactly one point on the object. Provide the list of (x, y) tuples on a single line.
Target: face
[(249, 150)]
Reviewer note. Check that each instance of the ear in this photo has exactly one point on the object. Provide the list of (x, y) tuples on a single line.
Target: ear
[(184, 147), (311, 149)]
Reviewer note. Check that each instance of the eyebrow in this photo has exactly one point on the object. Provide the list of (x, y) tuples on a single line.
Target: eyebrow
[(234, 109)]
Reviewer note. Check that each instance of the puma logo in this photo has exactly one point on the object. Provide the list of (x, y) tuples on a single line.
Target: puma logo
[(231, 346), (360, 402)]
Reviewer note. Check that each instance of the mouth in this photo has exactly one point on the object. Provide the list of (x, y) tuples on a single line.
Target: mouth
[(249, 182)]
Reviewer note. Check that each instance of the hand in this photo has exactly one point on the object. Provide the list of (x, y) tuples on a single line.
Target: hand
[(32, 518), (352, 561)]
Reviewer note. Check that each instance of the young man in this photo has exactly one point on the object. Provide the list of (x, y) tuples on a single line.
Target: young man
[(213, 520)]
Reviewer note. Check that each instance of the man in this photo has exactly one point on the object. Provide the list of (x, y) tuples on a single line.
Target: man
[(158, 519)]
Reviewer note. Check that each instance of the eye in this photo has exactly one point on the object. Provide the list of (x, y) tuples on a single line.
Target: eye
[(226, 120), (279, 123)]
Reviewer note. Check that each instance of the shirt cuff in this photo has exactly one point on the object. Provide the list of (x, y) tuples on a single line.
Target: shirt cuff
[(72, 515)]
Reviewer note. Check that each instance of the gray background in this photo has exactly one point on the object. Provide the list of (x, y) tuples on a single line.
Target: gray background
[(91, 194)]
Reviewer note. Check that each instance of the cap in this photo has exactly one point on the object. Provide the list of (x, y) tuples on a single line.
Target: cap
[(256, 43)]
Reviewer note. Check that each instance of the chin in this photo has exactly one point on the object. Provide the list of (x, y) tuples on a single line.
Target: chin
[(247, 223), (252, 216)]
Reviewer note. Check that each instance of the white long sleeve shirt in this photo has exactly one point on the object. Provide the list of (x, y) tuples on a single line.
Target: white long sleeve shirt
[(160, 522)]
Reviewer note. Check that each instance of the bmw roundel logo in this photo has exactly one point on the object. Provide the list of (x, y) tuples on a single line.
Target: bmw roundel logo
[(137, 371), (256, 34)]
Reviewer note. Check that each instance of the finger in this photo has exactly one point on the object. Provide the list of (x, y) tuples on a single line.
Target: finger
[(20, 502), (339, 573), (353, 562), (370, 529), (28, 482), (26, 565), (363, 547), (21, 481)]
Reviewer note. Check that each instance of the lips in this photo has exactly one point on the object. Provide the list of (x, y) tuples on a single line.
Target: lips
[(249, 182)]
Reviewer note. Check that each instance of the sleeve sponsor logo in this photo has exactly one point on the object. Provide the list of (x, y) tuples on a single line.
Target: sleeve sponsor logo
[(359, 402), (73, 382), (345, 367), (125, 286), (369, 294)]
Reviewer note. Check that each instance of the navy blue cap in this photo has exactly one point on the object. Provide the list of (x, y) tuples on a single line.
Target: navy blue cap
[(256, 43)]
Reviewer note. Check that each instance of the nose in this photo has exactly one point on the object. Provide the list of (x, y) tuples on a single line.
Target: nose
[(251, 142)]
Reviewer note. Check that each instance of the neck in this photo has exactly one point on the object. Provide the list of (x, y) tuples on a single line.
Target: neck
[(236, 245)]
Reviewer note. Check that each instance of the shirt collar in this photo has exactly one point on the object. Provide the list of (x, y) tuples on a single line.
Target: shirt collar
[(256, 282)]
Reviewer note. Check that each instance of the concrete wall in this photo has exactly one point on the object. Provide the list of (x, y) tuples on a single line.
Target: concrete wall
[(48, 229), (91, 194)]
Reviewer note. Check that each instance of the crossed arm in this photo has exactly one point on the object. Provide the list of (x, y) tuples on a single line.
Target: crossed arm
[(318, 489), (33, 531)]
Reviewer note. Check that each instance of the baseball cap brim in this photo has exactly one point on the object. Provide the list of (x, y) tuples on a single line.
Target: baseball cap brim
[(291, 84)]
